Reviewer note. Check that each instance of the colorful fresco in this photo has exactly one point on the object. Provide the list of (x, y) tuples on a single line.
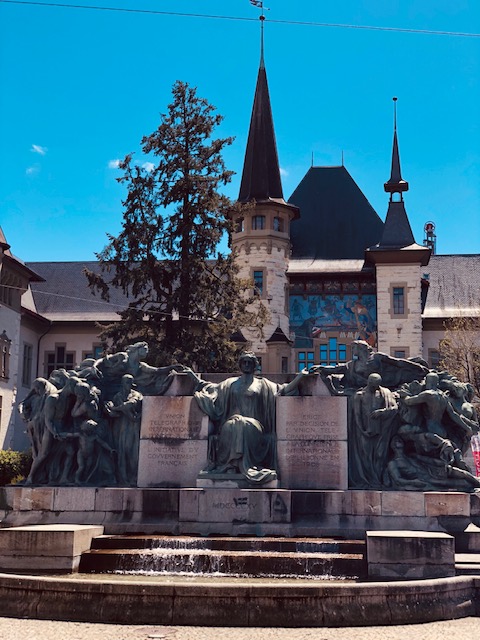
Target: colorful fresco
[(314, 315)]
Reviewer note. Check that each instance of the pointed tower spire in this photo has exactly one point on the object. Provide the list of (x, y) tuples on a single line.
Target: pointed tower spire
[(397, 232), (396, 184), (261, 172)]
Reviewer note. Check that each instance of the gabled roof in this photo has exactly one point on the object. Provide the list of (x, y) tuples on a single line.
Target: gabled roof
[(15, 262), (337, 221), (278, 336), (454, 289), (65, 295), (261, 172)]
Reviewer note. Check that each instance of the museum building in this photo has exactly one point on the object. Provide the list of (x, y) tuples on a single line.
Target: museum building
[(323, 263)]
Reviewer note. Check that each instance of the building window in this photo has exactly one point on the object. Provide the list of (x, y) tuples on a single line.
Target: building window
[(27, 365), (284, 364), (96, 353), (59, 359), (239, 225), (5, 344), (258, 282), (258, 223), (278, 224), (333, 352), (400, 352), (434, 358), (398, 299), (305, 360)]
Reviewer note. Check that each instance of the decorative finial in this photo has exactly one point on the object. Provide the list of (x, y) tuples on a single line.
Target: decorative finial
[(312, 158), (259, 5), (396, 184)]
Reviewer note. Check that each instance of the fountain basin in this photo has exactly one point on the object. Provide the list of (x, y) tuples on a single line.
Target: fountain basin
[(236, 603)]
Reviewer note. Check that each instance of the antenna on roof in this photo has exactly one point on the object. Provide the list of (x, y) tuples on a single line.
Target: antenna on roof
[(342, 159), (312, 158)]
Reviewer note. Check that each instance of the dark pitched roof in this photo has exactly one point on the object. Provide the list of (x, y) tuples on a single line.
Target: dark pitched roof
[(397, 232), (278, 336), (396, 184), (454, 286), (65, 294), (337, 221), (261, 172)]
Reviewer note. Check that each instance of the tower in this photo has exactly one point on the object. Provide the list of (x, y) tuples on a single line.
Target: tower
[(397, 259), (261, 237)]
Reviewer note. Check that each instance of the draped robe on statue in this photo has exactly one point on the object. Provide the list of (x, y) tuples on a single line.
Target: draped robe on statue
[(244, 419)]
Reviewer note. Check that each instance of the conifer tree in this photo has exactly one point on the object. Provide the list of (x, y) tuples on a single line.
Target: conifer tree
[(186, 298)]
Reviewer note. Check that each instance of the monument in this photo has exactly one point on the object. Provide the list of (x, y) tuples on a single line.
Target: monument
[(374, 423)]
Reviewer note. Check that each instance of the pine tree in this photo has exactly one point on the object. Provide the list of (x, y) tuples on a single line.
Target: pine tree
[(185, 304)]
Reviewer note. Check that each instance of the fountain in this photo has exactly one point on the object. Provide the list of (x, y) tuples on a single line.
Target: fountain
[(254, 502)]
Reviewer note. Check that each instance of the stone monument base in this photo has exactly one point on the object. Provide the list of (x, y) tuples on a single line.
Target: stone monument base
[(233, 511), (49, 548), (207, 479)]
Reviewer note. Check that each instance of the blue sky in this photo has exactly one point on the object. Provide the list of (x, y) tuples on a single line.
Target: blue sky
[(80, 87)]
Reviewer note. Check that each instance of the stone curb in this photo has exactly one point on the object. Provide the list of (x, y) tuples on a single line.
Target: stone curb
[(229, 604)]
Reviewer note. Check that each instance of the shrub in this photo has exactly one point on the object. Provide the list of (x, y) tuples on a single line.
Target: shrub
[(14, 466)]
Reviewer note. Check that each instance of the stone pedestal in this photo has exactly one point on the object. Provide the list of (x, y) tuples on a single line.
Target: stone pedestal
[(226, 506), (54, 547), (312, 442), (173, 442), (407, 555)]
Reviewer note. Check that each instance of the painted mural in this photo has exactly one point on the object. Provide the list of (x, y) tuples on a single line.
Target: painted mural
[(313, 316)]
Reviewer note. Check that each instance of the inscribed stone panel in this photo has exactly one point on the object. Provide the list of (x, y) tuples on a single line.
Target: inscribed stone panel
[(311, 418)]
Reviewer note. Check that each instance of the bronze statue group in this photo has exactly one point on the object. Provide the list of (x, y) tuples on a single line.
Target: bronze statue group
[(409, 427)]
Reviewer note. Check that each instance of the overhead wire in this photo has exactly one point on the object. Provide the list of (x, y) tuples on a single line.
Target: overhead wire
[(64, 5)]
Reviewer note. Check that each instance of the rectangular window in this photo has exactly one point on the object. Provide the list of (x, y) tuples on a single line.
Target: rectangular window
[(333, 352), (258, 282), (96, 352), (239, 225), (58, 359), (284, 364), (277, 224), (323, 354), (5, 344), (398, 296), (258, 223), (27, 365), (305, 359), (400, 352), (434, 358)]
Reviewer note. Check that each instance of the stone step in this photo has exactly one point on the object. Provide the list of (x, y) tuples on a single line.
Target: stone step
[(234, 563), (467, 564), (226, 543)]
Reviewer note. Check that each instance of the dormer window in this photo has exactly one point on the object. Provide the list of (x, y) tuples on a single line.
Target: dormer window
[(258, 223)]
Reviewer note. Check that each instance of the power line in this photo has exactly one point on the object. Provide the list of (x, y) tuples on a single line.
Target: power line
[(460, 34)]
